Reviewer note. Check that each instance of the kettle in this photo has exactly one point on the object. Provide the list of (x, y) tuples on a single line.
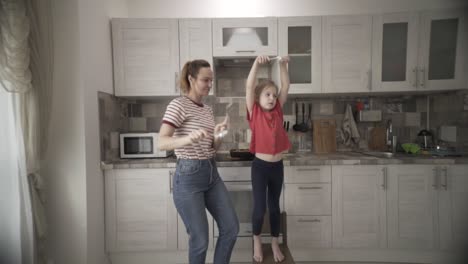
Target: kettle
[(425, 139)]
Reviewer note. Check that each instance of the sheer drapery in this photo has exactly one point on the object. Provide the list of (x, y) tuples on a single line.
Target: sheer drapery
[(26, 73)]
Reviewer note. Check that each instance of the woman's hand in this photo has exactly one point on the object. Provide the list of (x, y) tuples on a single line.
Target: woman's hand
[(197, 135), (221, 127)]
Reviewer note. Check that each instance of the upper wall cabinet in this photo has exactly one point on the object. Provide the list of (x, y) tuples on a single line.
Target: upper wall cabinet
[(146, 56), (413, 52), (300, 38), (195, 41), (395, 52), (442, 50), (346, 54), (244, 37)]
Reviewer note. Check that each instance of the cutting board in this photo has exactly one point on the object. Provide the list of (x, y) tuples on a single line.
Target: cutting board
[(377, 139), (324, 136)]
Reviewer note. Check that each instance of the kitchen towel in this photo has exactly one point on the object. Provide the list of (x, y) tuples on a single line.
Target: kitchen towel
[(349, 132)]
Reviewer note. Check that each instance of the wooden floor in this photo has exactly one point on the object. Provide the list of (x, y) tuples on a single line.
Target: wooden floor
[(333, 263)]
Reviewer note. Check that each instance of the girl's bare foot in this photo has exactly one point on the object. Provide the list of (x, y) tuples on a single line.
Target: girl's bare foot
[(258, 253), (277, 254)]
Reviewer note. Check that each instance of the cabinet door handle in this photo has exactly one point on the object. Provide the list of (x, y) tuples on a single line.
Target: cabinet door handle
[(171, 175), (423, 78), (176, 82), (369, 80), (309, 220), (245, 51), (415, 75), (384, 178), (434, 178), (308, 169), (309, 188), (444, 182)]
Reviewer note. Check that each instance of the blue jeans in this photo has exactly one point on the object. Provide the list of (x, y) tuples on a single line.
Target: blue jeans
[(197, 186)]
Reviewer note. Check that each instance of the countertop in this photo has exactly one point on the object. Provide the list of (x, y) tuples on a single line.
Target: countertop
[(294, 159)]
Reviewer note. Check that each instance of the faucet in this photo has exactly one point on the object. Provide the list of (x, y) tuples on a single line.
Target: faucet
[(388, 135)]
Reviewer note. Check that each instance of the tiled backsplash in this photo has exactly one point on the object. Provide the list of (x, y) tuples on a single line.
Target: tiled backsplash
[(407, 112)]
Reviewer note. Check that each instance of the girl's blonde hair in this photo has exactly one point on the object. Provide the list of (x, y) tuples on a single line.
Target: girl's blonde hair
[(191, 68), (262, 85)]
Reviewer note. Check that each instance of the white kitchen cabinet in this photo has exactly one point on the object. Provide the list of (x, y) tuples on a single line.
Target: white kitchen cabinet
[(307, 174), (140, 213), (301, 39), (412, 206), (307, 232), (307, 190), (453, 206), (307, 197), (195, 41), (234, 37), (442, 50), (359, 206), (146, 57), (395, 52), (346, 54)]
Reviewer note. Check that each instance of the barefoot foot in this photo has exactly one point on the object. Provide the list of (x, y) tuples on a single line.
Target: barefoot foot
[(258, 253), (277, 254)]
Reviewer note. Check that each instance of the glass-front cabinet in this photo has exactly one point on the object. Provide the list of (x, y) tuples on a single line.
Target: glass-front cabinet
[(244, 37), (442, 50), (395, 52), (300, 38)]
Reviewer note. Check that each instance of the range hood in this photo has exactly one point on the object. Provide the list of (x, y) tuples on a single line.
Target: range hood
[(240, 62)]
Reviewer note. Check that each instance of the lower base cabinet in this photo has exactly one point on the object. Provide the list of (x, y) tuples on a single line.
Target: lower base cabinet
[(140, 213), (306, 232), (371, 213), (358, 207)]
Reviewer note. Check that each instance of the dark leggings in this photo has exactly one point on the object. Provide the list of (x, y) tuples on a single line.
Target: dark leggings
[(266, 177)]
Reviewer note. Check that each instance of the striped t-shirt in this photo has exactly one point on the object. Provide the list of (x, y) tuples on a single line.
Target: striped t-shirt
[(186, 116)]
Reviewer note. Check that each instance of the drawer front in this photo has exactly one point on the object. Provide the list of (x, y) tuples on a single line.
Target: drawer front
[(308, 199), (309, 232), (235, 173), (307, 174)]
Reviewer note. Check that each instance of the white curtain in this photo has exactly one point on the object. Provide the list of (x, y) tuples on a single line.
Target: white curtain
[(26, 74)]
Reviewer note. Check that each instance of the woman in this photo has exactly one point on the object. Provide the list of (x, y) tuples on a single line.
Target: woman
[(269, 140), (188, 127)]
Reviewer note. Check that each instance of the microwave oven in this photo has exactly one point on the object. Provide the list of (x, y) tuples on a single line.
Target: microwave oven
[(141, 145)]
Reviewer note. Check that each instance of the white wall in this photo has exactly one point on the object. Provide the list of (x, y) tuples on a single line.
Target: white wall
[(82, 66), (96, 68), (255, 8), (64, 168)]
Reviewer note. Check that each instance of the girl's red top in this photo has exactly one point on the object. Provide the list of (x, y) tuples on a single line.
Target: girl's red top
[(268, 134)]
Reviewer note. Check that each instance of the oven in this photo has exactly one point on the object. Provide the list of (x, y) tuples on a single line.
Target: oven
[(239, 186)]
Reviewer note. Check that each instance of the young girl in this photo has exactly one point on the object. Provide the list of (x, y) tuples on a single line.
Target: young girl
[(265, 115)]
